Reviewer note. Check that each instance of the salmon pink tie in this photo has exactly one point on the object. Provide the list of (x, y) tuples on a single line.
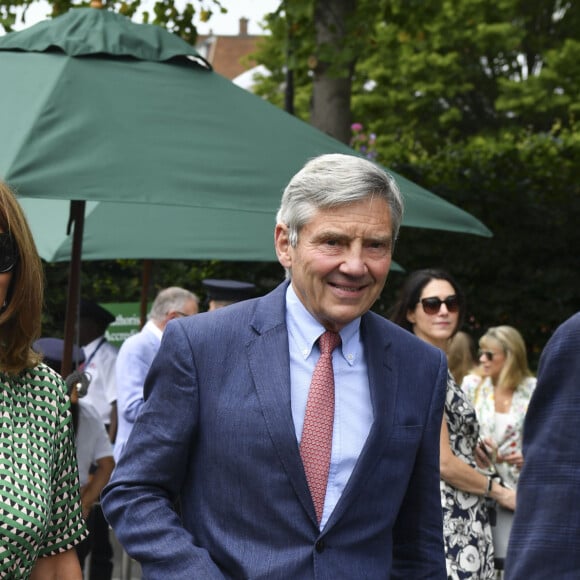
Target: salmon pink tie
[(316, 442)]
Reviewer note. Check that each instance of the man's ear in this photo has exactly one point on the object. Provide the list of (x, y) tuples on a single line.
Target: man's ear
[(282, 245)]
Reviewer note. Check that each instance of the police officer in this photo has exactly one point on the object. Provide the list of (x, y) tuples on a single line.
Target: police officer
[(222, 293)]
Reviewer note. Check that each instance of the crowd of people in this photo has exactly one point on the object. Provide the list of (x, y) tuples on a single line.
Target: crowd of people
[(294, 435)]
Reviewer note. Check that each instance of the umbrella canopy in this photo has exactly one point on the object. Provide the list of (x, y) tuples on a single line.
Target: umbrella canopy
[(97, 108), (131, 231)]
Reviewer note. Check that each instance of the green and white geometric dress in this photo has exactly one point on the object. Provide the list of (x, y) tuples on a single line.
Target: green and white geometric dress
[(40, 509)]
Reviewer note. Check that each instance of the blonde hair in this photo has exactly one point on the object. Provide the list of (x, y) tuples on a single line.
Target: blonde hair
[(515, 368), (461, 355), (20, 321)]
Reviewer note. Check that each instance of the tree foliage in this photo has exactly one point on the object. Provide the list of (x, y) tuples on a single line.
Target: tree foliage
[(478, 102), (175, 16), (312, 53), (457, 69), (523, 186), (122, 281)]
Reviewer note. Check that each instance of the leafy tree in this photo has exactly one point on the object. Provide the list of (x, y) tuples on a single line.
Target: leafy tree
[(523, 186), (314, 44), (173, 16), (478, 102), (427, 74), (332, 67), (455, 69)]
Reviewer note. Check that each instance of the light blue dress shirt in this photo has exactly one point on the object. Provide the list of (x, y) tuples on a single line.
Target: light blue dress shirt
[(353, 414), (133, 361)]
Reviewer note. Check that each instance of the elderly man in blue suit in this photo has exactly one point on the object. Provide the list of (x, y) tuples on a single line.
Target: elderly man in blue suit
[(545, 536), (277, 476)]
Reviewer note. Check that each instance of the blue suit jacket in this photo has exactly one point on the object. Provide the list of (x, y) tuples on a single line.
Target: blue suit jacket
[(216, 432), (545, 536)]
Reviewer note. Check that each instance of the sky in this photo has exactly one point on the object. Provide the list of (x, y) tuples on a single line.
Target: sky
[(228, 23)]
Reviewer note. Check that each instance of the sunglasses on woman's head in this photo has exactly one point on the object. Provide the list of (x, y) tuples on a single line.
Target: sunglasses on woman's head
[(432, 305), (8, 253)]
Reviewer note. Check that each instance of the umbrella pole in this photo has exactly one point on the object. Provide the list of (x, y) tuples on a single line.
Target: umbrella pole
[(77, 220)]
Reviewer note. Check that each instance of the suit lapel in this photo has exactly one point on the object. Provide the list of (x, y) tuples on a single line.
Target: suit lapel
[(269, 361), (383, 385)]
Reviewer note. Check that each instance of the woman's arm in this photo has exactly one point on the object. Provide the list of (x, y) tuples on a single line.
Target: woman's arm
[(63, 566), (460, 475)]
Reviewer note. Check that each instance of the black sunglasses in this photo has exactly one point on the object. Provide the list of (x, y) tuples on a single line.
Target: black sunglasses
[(8, 253), (432, 305), (486, 353)]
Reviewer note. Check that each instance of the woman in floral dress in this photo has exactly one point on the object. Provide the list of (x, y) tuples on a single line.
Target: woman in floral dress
[(432, 306), (500, 390)]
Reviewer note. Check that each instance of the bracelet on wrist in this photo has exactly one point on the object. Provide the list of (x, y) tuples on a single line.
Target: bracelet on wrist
[(489, 486)]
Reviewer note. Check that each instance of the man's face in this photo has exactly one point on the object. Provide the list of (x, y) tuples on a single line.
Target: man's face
[(189, 308), (341, 261)]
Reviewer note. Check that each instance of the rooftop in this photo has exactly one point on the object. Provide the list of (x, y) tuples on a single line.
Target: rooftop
[(226, 52)]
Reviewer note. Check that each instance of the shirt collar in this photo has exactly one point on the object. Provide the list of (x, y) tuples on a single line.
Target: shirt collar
[(152, 327), (306, 330), (93, 344)]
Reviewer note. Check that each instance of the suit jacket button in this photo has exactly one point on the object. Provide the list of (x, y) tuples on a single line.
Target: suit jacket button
[(319, 546)]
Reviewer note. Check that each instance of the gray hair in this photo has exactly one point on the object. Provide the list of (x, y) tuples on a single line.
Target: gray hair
[(168, 300), (333, 180)]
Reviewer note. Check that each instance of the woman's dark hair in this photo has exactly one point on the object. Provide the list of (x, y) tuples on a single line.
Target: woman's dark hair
[(410, 294)]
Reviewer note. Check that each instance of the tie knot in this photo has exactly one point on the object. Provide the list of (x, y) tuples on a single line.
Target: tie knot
[(328, 342)]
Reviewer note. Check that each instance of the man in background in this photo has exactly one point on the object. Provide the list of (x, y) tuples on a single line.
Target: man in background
[(222, 293), (137, 353), (99, 364), (100, 358), (545, 536)]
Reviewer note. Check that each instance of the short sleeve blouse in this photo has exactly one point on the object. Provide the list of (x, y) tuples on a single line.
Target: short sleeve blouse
[(40, 509)]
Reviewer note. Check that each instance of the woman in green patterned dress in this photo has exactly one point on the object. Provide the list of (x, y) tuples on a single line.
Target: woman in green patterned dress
[(40, 509)]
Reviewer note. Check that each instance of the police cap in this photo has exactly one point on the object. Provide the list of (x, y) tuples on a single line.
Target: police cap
[(93, 311), (53, 350), (228, 290)]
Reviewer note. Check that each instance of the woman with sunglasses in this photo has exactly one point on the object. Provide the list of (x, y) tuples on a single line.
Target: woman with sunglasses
[(432, 306), (500, 390), (40, 508)]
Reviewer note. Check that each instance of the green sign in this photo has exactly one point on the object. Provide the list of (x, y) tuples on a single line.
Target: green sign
[(127, 321)]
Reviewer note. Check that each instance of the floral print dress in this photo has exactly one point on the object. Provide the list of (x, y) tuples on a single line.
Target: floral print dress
[(467, 532), (480, 392)]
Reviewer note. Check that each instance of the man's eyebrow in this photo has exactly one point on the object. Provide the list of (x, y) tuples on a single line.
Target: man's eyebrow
[(334, 234), (342, 236), (379, 238)]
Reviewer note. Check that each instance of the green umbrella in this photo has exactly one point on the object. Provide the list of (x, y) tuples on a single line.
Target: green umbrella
[(131, 231), (94, 107)]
